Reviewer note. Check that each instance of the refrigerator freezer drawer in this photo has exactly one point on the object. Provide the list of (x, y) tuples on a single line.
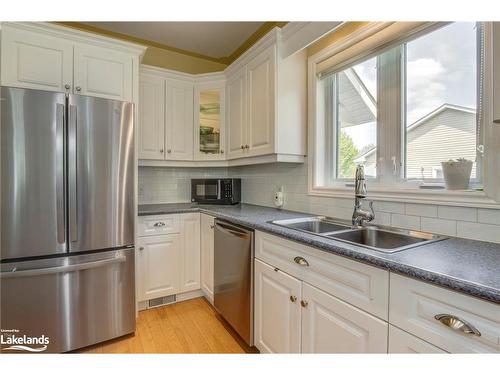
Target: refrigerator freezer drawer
[(75, 301)]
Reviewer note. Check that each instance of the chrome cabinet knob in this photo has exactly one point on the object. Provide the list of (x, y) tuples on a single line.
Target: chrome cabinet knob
[(293, 299), (141, 248), (457, 324), (221, 151), (242, 147), (247, 147), (67, 86), (304, 303), (301, 261), (161, 151), (78, 88), (169, 151), (212, 226)]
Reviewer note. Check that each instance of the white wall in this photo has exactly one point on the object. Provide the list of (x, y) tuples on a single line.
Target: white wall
[(161, 185)]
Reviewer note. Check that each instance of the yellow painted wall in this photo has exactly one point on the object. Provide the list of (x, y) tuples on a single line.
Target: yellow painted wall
[(178, 61), (334, 36)]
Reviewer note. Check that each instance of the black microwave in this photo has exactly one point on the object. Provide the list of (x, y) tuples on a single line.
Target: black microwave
[(216, 190)]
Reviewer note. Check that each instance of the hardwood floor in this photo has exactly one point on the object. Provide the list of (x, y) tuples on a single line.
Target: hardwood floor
[(186, 327)]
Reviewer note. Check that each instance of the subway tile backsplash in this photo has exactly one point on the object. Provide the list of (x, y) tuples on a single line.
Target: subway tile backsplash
[(259, 182)]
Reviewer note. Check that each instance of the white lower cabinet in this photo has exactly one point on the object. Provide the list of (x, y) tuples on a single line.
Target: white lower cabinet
[(168, 256), (207, 256), (190, 252), (157, 264), (292, 316), (402, 342), (276, 310), (330, 325)]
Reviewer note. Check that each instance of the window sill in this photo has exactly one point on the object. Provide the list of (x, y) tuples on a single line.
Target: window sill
[(461, 198)]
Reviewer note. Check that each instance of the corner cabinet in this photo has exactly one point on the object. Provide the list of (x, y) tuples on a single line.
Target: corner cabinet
[(50, 57), (207, 256)]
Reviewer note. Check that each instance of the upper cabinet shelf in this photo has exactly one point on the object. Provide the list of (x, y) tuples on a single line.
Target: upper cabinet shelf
[(53, 58), (253, 112)]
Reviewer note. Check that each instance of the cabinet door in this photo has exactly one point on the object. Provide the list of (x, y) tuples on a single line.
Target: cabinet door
[(261, 103), (402, 342), (36, 61), (236, 114), (207, 256), (209, 115), (330, 325), (158, 266), (103, 73), (151, 117), (190, 252), (179, 120), (277, 310)]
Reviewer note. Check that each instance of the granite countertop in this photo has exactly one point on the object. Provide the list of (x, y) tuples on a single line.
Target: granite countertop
[(467, 266)]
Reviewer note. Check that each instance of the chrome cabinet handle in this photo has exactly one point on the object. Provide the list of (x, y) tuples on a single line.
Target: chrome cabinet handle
[(67, 86), (304, 303), (301, 261), (161, 151), (293, 299), (221, 151), (247, 146), (78, 88), (212, 226), (159, 224), (242, 147), (457, 324), (169, 151), (141, 248)]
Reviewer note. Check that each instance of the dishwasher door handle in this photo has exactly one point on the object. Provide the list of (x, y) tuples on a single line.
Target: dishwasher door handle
[(235, 231)]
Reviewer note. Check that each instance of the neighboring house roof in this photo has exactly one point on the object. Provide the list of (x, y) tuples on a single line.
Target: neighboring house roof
[(422, 120), (358, 106)]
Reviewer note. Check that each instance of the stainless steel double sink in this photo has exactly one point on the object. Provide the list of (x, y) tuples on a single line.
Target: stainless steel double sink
[(375, 237)]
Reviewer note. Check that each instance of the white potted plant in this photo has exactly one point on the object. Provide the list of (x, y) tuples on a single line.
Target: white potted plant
[(457, 173)]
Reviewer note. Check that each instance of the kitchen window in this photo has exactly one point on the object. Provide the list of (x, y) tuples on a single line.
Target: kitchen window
[(400, 110)]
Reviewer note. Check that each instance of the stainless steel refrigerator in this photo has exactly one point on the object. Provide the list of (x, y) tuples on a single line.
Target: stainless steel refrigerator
[(67, 220)]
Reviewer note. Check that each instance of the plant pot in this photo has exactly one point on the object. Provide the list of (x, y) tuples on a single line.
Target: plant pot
[(457, 174)]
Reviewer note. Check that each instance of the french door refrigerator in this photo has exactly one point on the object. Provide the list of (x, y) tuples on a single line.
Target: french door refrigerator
[(67, 220)]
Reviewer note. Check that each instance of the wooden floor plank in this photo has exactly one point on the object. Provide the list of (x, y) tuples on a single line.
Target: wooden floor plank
[(186, 327)]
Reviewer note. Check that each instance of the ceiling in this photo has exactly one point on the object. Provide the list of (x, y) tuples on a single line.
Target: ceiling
[(213, 39)]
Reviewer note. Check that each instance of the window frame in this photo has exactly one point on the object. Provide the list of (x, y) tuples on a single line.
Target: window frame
[(360, 46)]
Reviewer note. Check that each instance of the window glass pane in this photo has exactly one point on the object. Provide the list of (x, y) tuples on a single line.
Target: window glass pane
[(356, 118), (441, 97)]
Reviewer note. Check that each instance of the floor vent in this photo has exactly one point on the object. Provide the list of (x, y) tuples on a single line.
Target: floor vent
[(161, 301)]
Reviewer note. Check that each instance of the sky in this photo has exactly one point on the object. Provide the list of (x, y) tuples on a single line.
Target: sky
[(441, 68)]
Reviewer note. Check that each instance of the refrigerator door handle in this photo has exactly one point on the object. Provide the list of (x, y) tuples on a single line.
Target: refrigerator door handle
[(72, 170), (60, 173), (62, 269)]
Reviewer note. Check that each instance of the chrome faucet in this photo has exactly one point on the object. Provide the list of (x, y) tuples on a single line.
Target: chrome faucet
[(359, 216)]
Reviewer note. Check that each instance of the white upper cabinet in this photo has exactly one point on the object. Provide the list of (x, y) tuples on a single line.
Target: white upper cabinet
[(261, 77), (102, 72), (36, 61), (151, 130), (179, 120), (236, 114), (267, 103), (49, 57)]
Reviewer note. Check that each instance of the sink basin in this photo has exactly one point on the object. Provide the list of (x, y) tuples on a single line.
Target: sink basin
[(385, 240), (316, 225), (379, 238)]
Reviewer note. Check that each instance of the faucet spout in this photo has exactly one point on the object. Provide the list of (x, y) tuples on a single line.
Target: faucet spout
[(359, 216)]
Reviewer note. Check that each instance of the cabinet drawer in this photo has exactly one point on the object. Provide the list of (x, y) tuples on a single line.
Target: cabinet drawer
[(415, 306), (356, 283), (158, 224), (402, 342)]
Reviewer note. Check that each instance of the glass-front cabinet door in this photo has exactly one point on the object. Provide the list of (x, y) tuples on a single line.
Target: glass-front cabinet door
[(209, 121)]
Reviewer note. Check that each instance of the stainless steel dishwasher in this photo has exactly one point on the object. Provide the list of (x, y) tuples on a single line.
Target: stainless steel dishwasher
[(233, 277)]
